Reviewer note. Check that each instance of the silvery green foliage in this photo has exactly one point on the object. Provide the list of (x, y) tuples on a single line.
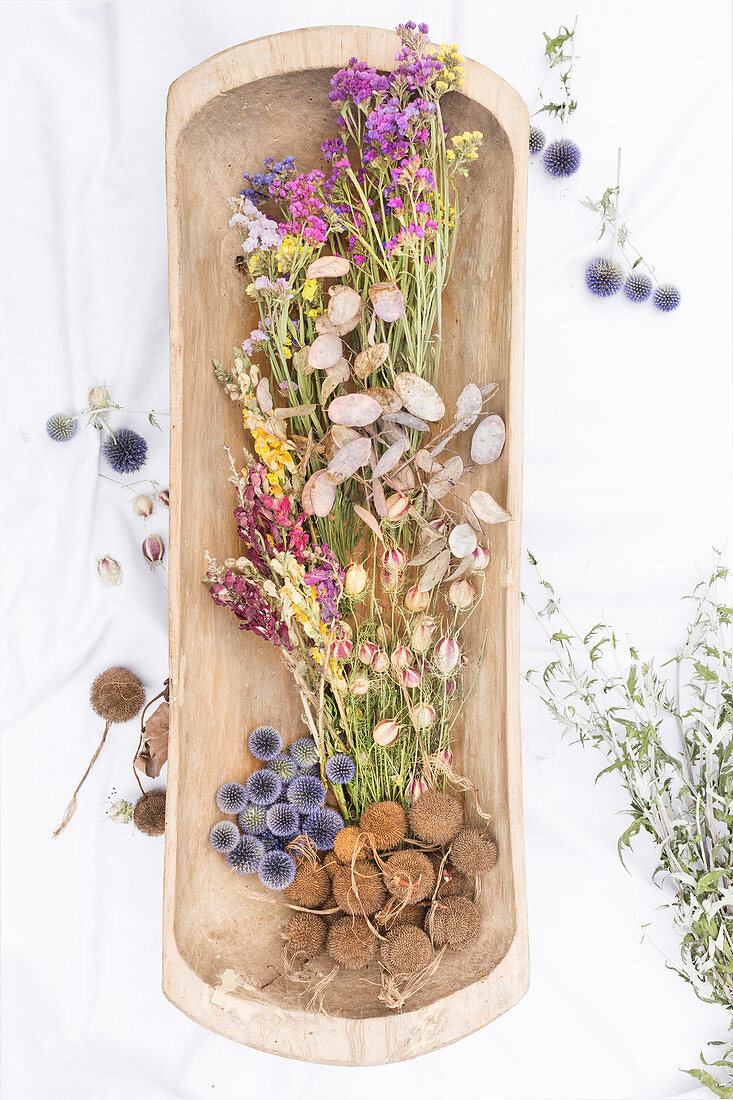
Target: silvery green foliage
[(668, 733)]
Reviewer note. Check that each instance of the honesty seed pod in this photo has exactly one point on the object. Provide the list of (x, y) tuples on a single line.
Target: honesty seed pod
[(386, 732), (142, 506), (153, 550)]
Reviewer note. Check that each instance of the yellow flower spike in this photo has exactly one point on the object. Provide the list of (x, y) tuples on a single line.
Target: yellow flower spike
[(450, 155), (310, 289)]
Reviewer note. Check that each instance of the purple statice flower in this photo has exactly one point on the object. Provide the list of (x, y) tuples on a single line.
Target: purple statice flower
[(256, 337), (260, 182), (334, 149), (416, 67), (327, 577), (302, 202), (357, 83), (278, 288), (287, 387), (246, 601), (258, 231)]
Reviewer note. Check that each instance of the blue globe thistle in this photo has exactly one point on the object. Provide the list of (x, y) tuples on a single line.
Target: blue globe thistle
[(306, 793), (667, 297), (270, 841), (277, 869), (283, 767), (340, 769), (224, 836), (604, 277), (637, 287), (265, 743), (247, 856), (537, 140), (125, 451), (231, 798), (304, 752), (283, 820), (253, 819), (314, 770), (60, 427), (321, 827), (263, 787), (562, 158)]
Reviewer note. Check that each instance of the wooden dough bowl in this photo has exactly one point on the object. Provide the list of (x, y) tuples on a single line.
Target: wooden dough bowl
[(221, 950)]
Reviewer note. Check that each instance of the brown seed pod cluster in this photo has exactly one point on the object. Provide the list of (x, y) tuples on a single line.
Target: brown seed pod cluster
[(351, 943), (359, 889), (451, 882), (350, 842), (473, 852), (409, 875), (310, 887), (436, 817), (307, 933), (385, 823), (454, 922), (117, 695), (394, 914), (406, 950), (149, 813)]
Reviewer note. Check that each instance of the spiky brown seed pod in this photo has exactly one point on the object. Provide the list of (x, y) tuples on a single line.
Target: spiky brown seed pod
[(310, 887), (331, 864), (307, 933), (359, 889), (349, 841), (149, 813), (406, 950), (436, 817), (473, 852), (330, 903), (451, 882), (409, 876), (351, 943), (392, 915), (117, 695), (385, 823), (453, 921)]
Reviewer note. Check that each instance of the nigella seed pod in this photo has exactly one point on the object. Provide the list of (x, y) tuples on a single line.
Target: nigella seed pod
[(153, 550), (394, 559), (423, 716), (481, 558), (415, 600), (356, 579), (450, 685), (415, 788), (461, 594), (99, 398), (446, 655), (401, 656), (110, 571), (423, 634), (389, 580), (386, 732), (164, 498), (366, 652), (60, 427), (341, 649), (359, 685), (410, 677), (444, 756), (142, 506), (381, 661), (397, 507)]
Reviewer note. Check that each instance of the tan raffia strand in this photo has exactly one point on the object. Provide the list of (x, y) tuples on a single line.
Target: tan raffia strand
[(247, 892), (396, 991), (71, 808), (460, 782)]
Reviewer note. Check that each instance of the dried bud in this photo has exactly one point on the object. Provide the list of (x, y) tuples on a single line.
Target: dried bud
[(388, 580), (394, 560), (410, 677), (341, 649), (401, 656), (386, 732), (423, 715), (356, 579), (359, 685), (446, 655), (423, 634), (366, 652), (381, 661), (481, 559), (154, 550), (444, 756), (461, 594), (164, 498), (415, 788), (415, 600), (99, 398), (142, 506), (384, 634), (397, 507), (450, 685), (110, 571)]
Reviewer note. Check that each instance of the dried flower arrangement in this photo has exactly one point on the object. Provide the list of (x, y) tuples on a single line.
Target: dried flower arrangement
[(671, 745), (360, 562)]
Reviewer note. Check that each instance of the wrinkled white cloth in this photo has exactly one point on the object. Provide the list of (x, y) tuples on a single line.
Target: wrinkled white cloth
[(627, 488)]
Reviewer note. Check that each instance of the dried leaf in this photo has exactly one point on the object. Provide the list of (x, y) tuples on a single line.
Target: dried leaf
[(489, 390), (327, 267), (462, 540), (295, 410), (419, 397), (390, 458), (344, 305), (388, 400), (387, 300), (354, 410), (349, 459), (380, 501), (154, 750), (434, 572), (468, 405), (487, 509), (488, 440), (369, 360), (366, 517), (263, 395)]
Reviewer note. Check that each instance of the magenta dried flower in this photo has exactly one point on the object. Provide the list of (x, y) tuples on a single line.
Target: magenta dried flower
[(153, 550)]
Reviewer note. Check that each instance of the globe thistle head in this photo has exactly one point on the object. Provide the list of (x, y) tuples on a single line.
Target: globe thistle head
[(283, 767), (409, 876), (385, 823), (537, 140), (125, 451), (265, 743), (454, 922), (224, 836), (117, 694), (306, 793), (359, 889), (638, 286), (667, 297), (351, 943), (562, 158), (149, 813), (269, 841), (277, 870), (253, 819), (321, 827), (340, 769), (312, 769), (473, 852), (406, 949), (304, 752), (604, 277), (263, 787), (283, 820), (246, 856), (436, 817), (311, 886), (60, 427), (231, 798), (306, 933)]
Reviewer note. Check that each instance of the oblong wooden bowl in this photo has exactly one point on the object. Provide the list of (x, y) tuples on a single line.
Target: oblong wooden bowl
[(221, 950)]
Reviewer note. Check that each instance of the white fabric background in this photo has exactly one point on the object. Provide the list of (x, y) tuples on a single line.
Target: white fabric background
[(627, 487)]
